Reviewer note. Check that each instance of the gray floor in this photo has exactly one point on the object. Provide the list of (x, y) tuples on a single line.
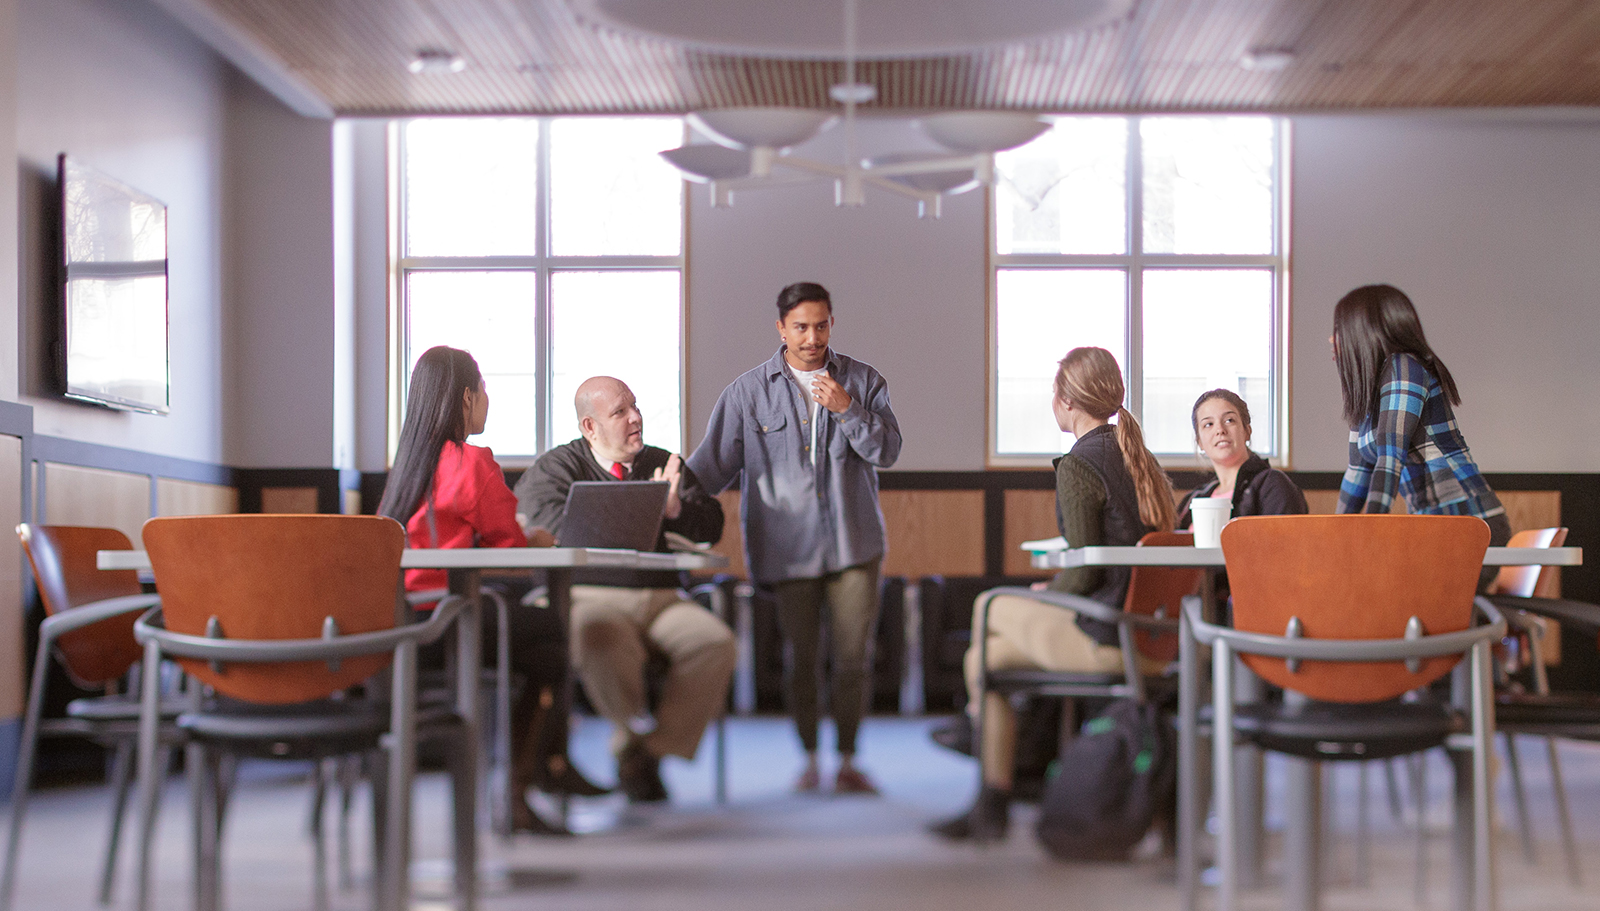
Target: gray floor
[(774, 850)]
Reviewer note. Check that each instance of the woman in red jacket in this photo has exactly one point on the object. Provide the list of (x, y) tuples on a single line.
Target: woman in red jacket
[(449, 493)]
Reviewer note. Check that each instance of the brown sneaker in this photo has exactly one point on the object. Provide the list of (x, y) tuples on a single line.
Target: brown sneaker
[(808, 782), (852, 780)]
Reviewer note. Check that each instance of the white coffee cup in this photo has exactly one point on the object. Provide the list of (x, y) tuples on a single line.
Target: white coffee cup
[(1209, 515)]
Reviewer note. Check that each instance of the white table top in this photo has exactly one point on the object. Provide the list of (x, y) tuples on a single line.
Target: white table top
[(495, 558), (1212, 556)]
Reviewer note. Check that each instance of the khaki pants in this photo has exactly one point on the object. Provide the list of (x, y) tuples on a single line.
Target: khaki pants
[(614, 631), (1024, 633), (850, 597)]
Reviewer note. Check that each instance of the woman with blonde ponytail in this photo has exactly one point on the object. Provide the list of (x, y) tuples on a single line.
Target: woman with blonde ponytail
[(1109, 491)]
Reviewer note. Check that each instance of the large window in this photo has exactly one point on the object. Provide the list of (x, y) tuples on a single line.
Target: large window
[(553, 251), (1157, 238)]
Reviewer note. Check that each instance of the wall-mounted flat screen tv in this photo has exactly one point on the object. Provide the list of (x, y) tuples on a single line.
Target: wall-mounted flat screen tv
[(114, 273)]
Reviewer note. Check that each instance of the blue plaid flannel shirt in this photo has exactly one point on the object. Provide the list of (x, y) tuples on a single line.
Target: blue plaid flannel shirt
[(1413, 446)]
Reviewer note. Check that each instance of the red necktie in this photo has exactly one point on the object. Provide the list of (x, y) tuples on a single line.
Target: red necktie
[(617, 472)]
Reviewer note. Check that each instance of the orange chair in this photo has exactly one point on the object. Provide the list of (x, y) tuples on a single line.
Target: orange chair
[(1347, 614), (278, 616), (89, 628), (1147, 626)]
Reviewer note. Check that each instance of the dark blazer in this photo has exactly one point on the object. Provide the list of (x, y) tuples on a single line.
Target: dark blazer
[(1260, 490), (542, 501)]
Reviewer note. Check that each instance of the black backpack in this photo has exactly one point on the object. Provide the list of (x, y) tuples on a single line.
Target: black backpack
[(1110, 784)]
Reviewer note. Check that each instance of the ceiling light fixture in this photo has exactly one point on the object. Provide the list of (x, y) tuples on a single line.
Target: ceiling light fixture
[(754, 145), (433, 60), (1267, 59)]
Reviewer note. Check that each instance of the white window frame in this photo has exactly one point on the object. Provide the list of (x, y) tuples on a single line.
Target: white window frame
[(544, 264), (1133, 264)]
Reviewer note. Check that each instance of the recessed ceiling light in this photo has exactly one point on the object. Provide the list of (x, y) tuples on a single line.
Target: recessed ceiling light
[(436, 60), (853, 92), (1267, 59)]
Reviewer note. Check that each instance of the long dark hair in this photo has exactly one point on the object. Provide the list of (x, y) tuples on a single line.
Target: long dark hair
[(1370, 325), (435, 414), (1090, 379)]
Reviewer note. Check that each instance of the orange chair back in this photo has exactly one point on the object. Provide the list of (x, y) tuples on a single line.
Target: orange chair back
[(62, 558), (1159, 591), (1353, 577), (277, 577), (1530, 581)]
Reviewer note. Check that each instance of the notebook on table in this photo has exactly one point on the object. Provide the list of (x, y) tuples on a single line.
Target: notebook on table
[(617, 514)]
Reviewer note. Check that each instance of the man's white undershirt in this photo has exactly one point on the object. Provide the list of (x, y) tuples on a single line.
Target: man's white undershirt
[(804, 378)]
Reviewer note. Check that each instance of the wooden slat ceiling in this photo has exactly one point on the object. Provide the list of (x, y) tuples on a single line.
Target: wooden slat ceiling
[(536, 56)]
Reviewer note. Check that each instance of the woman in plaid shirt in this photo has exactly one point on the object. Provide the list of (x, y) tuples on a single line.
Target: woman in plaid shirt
[(1397, 398)]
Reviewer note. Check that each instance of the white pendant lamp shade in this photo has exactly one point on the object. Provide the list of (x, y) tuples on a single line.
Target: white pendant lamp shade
[(772, 128), (980, 132), (949, 180), (702, 163)]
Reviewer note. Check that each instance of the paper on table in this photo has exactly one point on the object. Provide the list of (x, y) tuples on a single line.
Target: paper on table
[(1046, 544), (679, 544)]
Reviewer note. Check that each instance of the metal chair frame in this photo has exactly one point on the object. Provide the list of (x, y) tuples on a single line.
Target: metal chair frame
[(1162, 620), (118, 731), (77, 597), (1474, 643)]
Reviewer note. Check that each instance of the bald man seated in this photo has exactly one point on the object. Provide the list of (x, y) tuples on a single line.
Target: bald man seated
[(621, 617)]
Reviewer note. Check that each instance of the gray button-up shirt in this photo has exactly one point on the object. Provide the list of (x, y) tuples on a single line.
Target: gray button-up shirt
[(801, 520)]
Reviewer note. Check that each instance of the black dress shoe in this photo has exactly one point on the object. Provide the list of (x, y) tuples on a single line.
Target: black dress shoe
[(956, 735), (988, 819), (568, 780), (639, 774), (525, 819)]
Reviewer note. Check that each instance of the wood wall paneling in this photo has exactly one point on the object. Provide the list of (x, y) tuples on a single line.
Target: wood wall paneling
[(930, 531), (1532, 508), (732, 543), (12, 660), (1029, 516), (289, 499), (193, 498), (95, 496), (933, 532)]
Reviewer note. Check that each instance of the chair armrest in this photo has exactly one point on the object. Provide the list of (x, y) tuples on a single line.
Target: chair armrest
[(83, 615), (1081, 605), (714, 596), (1398, 649), (1580, 614), (150, 628)]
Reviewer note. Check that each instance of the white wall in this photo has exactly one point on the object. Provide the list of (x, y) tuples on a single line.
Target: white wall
[(1491, 226), (370, 189), (281, 346), (8, 201), (908, 296), (122, 88), (1489, 222)]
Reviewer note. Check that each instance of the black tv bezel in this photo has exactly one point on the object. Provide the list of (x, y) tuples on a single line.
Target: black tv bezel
[(118, 403)]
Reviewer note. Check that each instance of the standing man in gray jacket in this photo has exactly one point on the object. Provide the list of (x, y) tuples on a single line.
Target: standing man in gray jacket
[(804, 435)]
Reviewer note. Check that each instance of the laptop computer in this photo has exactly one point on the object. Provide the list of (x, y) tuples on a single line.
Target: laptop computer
[(617, 514)]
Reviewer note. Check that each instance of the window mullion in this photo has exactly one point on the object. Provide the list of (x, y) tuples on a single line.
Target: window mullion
[(1135, 277), (542, 318)]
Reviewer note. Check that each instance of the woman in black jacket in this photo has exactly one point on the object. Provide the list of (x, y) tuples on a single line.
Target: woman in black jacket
[(1221, 422)]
